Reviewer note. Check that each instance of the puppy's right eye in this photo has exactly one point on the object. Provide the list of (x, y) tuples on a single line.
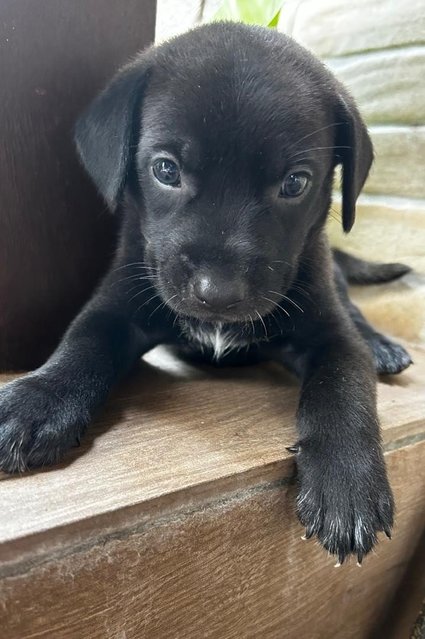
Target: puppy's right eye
[(167, 172)]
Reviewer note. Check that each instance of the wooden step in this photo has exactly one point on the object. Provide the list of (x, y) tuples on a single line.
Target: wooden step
[(175, 518)]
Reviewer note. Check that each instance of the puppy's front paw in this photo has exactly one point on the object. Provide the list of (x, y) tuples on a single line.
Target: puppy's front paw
[(343, 501), (36, 425)]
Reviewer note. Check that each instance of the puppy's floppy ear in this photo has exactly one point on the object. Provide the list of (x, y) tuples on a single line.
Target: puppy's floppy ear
[(106, 133), (356, 155)]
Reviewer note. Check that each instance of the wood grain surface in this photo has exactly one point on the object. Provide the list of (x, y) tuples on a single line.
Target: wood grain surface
[(172, 427), (175, 519)]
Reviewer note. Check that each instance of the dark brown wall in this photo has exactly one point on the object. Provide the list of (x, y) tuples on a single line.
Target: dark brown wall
[(56, 235)]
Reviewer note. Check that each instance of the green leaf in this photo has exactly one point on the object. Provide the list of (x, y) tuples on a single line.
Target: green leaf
[(273, 23), (263, 12)]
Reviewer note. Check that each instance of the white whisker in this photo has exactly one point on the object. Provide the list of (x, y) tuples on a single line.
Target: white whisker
[(263, 323), (322, 128), (288, 299), (252, 325), (319, 148), (140, 293), (137, 288), (276, 304), (281, 262), (139, 308), (134, 265), (134, 277), (162, 304)]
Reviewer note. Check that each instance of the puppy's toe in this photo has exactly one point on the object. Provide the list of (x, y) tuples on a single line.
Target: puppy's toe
[(36, 426), (345, 513)]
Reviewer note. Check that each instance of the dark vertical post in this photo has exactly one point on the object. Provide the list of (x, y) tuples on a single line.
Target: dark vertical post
[(56, 236)]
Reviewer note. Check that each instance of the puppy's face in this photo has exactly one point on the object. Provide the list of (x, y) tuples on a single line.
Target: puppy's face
[(237, 139), (233, 181)]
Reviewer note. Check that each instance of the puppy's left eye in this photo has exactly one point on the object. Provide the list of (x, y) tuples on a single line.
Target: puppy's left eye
[(167, 172), (294, 184)]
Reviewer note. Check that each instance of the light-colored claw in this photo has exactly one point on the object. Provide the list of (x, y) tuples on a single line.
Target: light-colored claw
[(338, 564), (304, 538)]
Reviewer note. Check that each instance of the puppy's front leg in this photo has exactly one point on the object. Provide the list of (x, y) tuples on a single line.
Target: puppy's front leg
[(345, 497), (45, 412)]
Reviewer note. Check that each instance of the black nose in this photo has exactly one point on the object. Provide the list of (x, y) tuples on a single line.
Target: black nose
[(217, 293)]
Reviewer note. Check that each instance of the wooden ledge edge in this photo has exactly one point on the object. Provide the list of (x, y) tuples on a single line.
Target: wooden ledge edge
[(20, 555)]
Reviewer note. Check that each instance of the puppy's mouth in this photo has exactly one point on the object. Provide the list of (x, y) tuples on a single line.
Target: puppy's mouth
[(242, 311), (223, 316)]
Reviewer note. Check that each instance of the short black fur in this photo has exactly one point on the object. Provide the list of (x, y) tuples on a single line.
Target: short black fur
[(225, 261)]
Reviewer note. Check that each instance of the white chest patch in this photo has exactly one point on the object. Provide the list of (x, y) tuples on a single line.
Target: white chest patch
[(220, 340)]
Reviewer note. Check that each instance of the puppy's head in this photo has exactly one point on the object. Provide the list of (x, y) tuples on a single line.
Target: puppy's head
[(227, 138)]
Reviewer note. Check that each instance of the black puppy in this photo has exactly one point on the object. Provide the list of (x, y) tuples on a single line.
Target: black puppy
[(219, 150)]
